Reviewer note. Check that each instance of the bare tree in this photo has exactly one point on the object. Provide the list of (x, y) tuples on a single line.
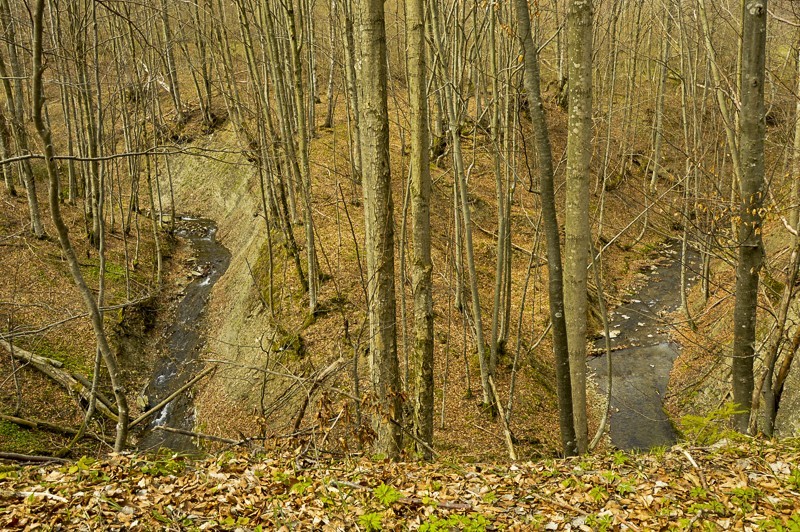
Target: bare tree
[(422, 269), (15, 101), (37, 93), (546, 189), (751, 246), (379, 221), (579, 154)]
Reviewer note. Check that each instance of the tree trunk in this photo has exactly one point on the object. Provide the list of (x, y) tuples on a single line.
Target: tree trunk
[(450, 101), (169, 58), (379, 220), (546, 189), (662, 87), (422, 269), (352, 90), (63, 235), (5, 153), (15, 100), (579, 153), (751, 183), (302, 151)]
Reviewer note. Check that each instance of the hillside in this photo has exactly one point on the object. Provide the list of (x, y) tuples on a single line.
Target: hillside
[(219, 174)]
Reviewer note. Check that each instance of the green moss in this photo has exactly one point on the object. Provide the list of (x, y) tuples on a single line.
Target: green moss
[(774, 288), (19, 439), (71, 360), (114, 272), (288, 343)]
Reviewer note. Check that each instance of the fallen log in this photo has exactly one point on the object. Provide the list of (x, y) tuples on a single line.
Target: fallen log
[(319, 379), (52, 368), (31, 458), (171, 396), (37, 424), (100, 395)]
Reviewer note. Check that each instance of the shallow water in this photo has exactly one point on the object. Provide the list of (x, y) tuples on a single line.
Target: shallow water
[(640, 372), (184, 339)]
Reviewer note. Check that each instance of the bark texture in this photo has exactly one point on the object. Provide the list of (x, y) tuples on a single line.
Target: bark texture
[(422, 268), (379, 221), (751, 247), (579, 153)]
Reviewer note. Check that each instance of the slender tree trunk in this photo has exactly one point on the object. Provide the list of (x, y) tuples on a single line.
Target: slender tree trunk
[(658, 129), (751, 247), (422, 270), (63, 235), (302, 151), (379, 220), (451, 105), (794, 214), (728, 120), (579, 153), (550, 221), (169, 58), (5, 153), (15, 100), (331, 96), (502, 215), (352, 89)]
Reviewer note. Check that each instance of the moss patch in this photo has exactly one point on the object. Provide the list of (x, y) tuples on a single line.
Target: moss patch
[(19, 439)]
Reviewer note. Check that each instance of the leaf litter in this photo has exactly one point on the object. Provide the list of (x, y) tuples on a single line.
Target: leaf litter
[(744, 485)]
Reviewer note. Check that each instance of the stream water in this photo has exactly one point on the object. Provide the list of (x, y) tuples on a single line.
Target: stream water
[(184, 338), (640, 371)]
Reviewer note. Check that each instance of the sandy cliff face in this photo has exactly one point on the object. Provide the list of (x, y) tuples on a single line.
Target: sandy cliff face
[(225, 188), (787, 423)]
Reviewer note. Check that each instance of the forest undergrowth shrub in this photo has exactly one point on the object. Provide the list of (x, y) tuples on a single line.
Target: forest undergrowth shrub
[(711, 427)]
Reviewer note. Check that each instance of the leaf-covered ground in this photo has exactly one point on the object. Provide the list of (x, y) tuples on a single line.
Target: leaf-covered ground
[(739, 486)]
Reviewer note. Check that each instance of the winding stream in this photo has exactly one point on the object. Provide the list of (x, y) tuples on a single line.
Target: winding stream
[(185, 338), (640, 371)]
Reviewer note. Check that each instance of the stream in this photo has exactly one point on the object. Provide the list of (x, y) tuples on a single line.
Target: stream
[(640, 371), (184, 338)]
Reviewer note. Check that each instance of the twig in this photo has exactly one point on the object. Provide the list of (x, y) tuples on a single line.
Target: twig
[(32, 332), (36, 424), (506, 430), (540, 261), (490, 433), (689, 457), (414, 437), (696, 467), (26, 494)]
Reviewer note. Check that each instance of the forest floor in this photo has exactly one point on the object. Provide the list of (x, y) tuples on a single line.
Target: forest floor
[(224, 192), (732, 485)]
